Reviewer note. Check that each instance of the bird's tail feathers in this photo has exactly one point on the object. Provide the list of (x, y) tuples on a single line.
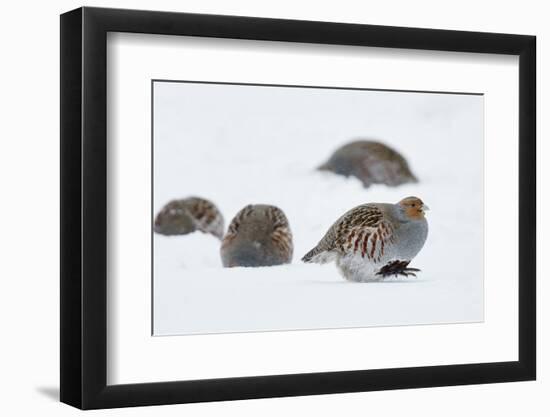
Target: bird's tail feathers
[(324, 167), (318, 256)]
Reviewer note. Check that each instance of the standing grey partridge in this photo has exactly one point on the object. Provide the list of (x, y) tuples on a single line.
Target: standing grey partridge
[(259, 235), (180, 217), (375, 240), (371, 162)]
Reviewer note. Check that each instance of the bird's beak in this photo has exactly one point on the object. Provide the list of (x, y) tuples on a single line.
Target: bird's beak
[(425, 207)]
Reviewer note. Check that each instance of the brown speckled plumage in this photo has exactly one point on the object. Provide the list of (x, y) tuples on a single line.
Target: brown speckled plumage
[(374, 240), (259, 235), (180, 217), (361, 230), (371, 162)]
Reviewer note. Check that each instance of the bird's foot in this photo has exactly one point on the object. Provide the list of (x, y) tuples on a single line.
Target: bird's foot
[(396, 268)]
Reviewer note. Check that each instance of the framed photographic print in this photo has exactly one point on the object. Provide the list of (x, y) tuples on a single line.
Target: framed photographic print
[(257, 207)]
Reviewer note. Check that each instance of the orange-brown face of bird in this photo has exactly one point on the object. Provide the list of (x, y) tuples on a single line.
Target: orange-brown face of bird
[(413, 207)]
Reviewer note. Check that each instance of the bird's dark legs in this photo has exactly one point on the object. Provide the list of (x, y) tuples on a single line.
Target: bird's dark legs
[(397, 268)]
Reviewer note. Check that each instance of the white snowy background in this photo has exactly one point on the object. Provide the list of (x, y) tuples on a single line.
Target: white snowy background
[(237, 145)]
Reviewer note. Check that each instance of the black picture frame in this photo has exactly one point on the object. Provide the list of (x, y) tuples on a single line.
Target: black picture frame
[(84, 207)]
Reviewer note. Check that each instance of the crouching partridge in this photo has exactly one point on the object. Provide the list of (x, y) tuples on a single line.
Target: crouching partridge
[(180, 217), (259, 235), (371, 162), (374, 241)]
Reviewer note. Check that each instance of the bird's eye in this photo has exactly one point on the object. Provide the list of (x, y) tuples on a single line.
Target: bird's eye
[(413, 205)]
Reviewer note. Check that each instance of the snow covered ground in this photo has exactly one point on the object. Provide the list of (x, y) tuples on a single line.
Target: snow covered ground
[(238, 145)]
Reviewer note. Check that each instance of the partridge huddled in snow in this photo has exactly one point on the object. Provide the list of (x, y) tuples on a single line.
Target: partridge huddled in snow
[(259, 235), (374, 241), (180, 217), (371, 162)]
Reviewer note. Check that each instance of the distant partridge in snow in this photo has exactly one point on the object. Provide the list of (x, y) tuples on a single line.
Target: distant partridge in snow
[(259, 235), (374, 241), (180, 217), (371, 162)]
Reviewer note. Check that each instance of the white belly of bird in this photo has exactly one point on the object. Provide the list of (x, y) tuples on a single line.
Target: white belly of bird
[(356, 268), (363, 262)]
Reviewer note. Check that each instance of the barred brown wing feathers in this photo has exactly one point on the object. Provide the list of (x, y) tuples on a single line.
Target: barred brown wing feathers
[(281, 235), (233, 228), (345, 230), (356, 224), (206, 215), (201, 211), (238, 219), (365, 232)]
